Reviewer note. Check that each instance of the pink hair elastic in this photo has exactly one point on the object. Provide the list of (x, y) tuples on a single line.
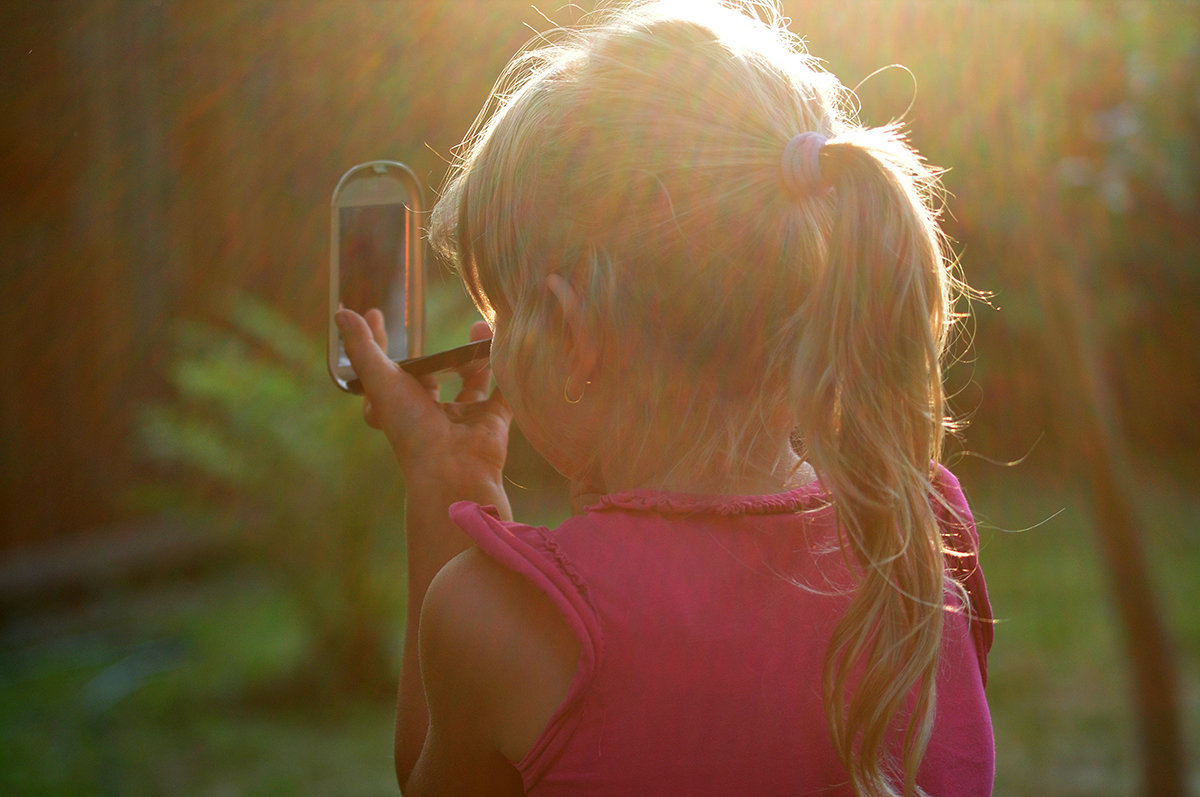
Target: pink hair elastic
[(800, 167)]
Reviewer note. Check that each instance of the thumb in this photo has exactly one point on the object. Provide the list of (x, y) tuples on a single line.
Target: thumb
[(497, 405), (480, 330), (371, 363)]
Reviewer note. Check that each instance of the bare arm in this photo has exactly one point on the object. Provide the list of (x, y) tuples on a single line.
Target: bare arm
[(498, 660), (432, 541), (448, 452)]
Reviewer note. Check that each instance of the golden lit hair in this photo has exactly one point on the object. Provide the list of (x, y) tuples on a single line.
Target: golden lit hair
[(639, 157)]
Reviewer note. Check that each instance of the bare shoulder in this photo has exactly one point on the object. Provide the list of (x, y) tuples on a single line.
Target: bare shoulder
[(495, 653)]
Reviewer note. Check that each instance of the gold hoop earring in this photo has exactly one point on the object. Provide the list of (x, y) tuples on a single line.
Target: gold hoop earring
[(578, 399)]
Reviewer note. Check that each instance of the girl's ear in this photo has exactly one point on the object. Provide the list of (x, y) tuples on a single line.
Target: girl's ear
[(580, 345)]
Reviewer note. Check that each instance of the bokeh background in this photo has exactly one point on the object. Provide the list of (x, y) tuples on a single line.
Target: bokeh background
[(201, 570)]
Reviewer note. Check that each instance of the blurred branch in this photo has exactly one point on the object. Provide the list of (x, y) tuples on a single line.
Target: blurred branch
[(1094, 444)]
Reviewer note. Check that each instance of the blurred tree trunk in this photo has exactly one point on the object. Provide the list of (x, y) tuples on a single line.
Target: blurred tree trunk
[(82, 234), (1093, 445)]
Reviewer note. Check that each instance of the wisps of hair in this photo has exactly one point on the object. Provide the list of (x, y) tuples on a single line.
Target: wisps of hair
[(873, 421)]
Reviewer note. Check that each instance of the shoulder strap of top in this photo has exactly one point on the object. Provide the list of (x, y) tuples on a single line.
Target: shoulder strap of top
[(533, 553)]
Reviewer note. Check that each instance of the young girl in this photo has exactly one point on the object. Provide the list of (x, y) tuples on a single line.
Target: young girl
[(718, 306)]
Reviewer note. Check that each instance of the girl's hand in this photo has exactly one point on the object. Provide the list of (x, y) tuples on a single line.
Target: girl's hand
[(453, 449), (450, 451)]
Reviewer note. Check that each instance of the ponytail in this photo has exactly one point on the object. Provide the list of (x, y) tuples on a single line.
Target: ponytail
[(872, 418)]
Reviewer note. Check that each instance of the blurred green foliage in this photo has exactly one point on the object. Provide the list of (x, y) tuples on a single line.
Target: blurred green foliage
[(261, 447), (161, 153)]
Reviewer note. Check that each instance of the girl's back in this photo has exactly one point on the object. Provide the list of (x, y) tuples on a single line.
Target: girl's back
[(703, 625)]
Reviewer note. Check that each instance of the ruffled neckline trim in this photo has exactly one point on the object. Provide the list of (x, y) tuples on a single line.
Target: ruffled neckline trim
[(809, 496)]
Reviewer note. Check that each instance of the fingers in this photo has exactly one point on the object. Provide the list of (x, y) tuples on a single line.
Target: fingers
[(493, 406), (471, 394), (476, 376), (370, 362), (497, 405), (370, 415), (429, 382), (378, 327), (480, 331), (365, 339), (385, 385), (425, 434)]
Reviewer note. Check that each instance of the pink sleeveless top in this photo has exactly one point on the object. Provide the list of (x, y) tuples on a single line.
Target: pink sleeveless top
[(703, 624)]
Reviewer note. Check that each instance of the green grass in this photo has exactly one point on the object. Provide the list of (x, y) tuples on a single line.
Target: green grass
[(180, 689), (1059, 681), (184, 687)]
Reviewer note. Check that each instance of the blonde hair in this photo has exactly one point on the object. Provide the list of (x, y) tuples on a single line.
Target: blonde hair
[(639, 157)]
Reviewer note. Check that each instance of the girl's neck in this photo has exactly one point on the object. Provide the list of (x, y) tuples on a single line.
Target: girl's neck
[(765, 475)]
